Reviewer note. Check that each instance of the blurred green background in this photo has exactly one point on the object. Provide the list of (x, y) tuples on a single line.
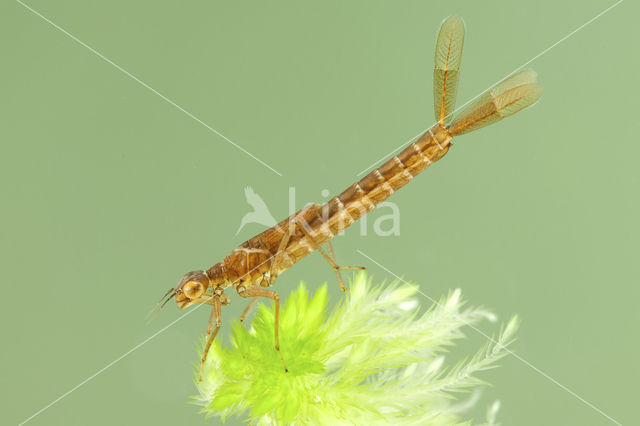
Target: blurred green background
[(110, 193)]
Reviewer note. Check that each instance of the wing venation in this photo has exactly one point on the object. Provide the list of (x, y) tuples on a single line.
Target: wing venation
[(446, 70), (506, 98)]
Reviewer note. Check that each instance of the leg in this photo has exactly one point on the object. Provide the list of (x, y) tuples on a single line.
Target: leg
[(217, 314), (330, 258), (275, 263), (248, 308), (335, 266), (261, 292)]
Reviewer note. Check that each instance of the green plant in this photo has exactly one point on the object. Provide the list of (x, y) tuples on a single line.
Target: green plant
[(373, 359)]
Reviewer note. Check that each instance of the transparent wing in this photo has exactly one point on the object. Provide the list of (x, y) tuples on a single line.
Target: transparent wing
[(447, 66), (506, 98)]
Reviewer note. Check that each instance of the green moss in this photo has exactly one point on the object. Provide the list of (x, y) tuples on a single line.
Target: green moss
[(373, 359)]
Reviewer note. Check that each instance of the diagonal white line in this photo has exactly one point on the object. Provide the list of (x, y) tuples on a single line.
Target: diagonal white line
[(133, 349), (275, 171), (489, 88), (518, 357), (64, 395), (128, 74)]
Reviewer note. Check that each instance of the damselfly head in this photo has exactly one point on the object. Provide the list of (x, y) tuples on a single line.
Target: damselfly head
[(191, 288)]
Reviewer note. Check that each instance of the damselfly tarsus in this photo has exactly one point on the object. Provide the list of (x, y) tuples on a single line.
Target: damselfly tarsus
[(259, 261)]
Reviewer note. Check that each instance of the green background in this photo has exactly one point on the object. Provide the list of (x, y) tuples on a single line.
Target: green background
[(110, 193)]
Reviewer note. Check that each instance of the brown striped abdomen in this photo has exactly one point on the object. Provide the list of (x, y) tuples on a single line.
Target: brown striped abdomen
[(361, 197), (322, 223)]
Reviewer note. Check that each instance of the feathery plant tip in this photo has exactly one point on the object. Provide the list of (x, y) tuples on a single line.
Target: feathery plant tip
[(373, 359)]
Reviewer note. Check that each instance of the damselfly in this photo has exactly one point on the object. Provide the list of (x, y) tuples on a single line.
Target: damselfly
[(259, 261)]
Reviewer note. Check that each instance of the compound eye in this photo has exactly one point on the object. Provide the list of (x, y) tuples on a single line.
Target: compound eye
[(193, 289)]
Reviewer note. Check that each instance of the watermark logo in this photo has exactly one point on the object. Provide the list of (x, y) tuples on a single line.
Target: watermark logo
[(385, 217), (260, 214)]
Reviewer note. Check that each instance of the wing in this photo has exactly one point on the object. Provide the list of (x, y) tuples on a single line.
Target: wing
[(506, 98), (447, 66)]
